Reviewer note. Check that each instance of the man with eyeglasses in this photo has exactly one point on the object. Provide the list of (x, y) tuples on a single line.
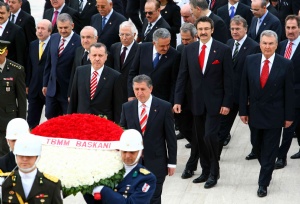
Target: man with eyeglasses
[(122, 53)]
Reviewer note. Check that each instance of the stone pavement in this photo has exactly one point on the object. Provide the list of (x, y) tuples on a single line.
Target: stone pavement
[(238, 182)]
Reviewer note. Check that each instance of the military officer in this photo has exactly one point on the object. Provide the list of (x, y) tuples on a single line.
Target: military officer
[(12, 93), (138, 184), (28, 184)]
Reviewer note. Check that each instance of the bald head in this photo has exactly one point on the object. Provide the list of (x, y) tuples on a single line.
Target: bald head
[(43, 29), (186, 14)]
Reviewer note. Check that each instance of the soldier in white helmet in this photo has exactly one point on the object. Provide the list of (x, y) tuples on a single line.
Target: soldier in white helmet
[(28, 184), (138, 184), (16, 128)]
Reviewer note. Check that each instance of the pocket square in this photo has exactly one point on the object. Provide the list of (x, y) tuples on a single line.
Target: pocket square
[(216, 62)]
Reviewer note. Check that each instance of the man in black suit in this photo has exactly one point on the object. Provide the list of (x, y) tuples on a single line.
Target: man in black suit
[(200, 8), (153, 118), (290, 49), (107, 23), (135, 9), (262, 20), (208, 66), (59, 7), (241, 46), (86, 10), (159, 61), (97, 88), (122, 53), (14, 34), (153, 21), (38, 50), (58, 66), (267, 103), (234, 7)]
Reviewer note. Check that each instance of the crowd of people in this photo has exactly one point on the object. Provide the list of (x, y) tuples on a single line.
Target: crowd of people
[(121, 59)]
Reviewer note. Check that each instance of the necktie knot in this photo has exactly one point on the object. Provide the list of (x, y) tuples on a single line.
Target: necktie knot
[(203, 47), (156, 60), (149, 25), (237, 44), (267, 61), (124, 49)]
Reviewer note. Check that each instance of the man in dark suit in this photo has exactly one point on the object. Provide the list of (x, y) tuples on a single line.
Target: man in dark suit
[(86, 10), (97, 88), (135, 11), (153, 21), (234, 7), (14, 34), (159, 61), (210, 74), (262, 20), (290, 49), (107, 23), (59, 7), (153, 118), (122, 53), (241, 46), (38, 50), (267, 103), (58, 66), (200, 8), (13, 94), (272, 10), (214, 5)]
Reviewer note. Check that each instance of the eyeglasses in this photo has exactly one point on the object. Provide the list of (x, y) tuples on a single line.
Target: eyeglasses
[(125, 34), (149, 13)]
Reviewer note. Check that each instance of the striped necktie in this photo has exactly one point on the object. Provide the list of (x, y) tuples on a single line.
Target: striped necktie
[(143, 118)]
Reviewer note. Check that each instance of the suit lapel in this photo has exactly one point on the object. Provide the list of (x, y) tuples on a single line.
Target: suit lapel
[(135, 114), (296, 53), (154, 109), (19, 187), (117, 56), (131, 54), (256, 73), (87, 80), (284, 44), (211, 57)]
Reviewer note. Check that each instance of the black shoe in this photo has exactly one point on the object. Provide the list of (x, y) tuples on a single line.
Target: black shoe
[(188, 145), (227, 140), (187, 174), (251, 156), (296, 156), (202, 178), (211, 181), (179, 136), (280, 164), (262, 191)]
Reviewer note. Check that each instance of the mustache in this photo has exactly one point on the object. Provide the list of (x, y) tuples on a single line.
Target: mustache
[(203, 35)]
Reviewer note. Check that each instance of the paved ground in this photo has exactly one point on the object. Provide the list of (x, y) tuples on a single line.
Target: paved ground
[(238, 182)]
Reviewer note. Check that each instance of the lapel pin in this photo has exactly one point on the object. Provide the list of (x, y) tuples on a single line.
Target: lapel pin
[(264, 23), (104, 78), (109, 23), (166, 11), (89, 3), (166, 57), (154, 110), (214, 51), (72, 43), (245, 48)]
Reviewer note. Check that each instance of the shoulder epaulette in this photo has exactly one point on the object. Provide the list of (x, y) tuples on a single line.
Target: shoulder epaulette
[(15, 65), (144, 171), (6, 174), (51, 178)]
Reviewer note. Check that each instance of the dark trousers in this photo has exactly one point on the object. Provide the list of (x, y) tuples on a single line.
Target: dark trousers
[(266, 145), (57, 105), (156, 198), (35, 108), (4, 149), (297, 131), (185, 123), (132, 10), (287, 136)]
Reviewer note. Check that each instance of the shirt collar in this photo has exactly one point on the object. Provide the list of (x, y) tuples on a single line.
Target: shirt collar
[(208, 44), (271, 59), (128, 47), (45, 41), (69, 37), (17, 13), (4, 24), (109, 14), (241, 40), (235, 5), (59, 10), (296, 41), (153, 23), (30, 175), (208, 13), (263, 17)]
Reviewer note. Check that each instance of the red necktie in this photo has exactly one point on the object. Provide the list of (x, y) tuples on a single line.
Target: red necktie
[(264, 74), (212, 4), (201, 57), (94, 83), (54, 18), (288, 51), (61, 47), (143, 119)]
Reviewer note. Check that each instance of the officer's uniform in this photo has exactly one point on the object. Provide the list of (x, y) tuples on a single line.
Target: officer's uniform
[(12, 95), (8, 162), (45, 189)]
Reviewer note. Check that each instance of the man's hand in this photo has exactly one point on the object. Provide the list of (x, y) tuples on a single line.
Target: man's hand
[(224, 110), (27, 89), (244, 119), (177, 108), (287, 123), (44, 90), (171, 171), (131, 98)]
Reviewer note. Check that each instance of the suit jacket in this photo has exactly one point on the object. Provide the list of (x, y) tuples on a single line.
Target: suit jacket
[(161, 23), (163, 76), (15, 35), (270, 22), (110, 33), (217, 5), (50, 189), (58, 69), (212, 89), (296, 62), (249, 47), (269, 107), (35, 69), (26, 6), (48, 14), (219, 27), (108, 96), (88, 11), (8, 162), (160, 145), (13, 93), (247, 2), (287, 7), (273, 11), (124, 69), (242, 10)]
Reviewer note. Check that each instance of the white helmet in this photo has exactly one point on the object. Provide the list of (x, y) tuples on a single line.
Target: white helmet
[(16, 128), (131, 140), (28, 146)]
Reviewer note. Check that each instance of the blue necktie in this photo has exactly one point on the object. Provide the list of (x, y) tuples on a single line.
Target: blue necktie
[(156, 60), (103, 22), (232, 12)]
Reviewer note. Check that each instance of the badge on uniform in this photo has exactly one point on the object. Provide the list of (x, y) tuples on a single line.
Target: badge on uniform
[(146, 187), (7, 87)]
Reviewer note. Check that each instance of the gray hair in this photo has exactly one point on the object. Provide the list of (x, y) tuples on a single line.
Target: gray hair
[(263, 2), (90, 28), (129, 24), (269, 33), (64, 17), (142, 78), (189, 27), (48, 22), (237, 19), (161, 33), (98, 45), (202, 4)]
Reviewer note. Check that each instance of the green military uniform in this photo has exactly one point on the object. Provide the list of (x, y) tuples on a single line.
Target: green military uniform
[(45, 189), (12, 95)]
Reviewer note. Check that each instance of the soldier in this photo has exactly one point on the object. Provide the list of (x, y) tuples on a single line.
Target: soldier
[(12, 93), (28, 184), (138, 184)]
